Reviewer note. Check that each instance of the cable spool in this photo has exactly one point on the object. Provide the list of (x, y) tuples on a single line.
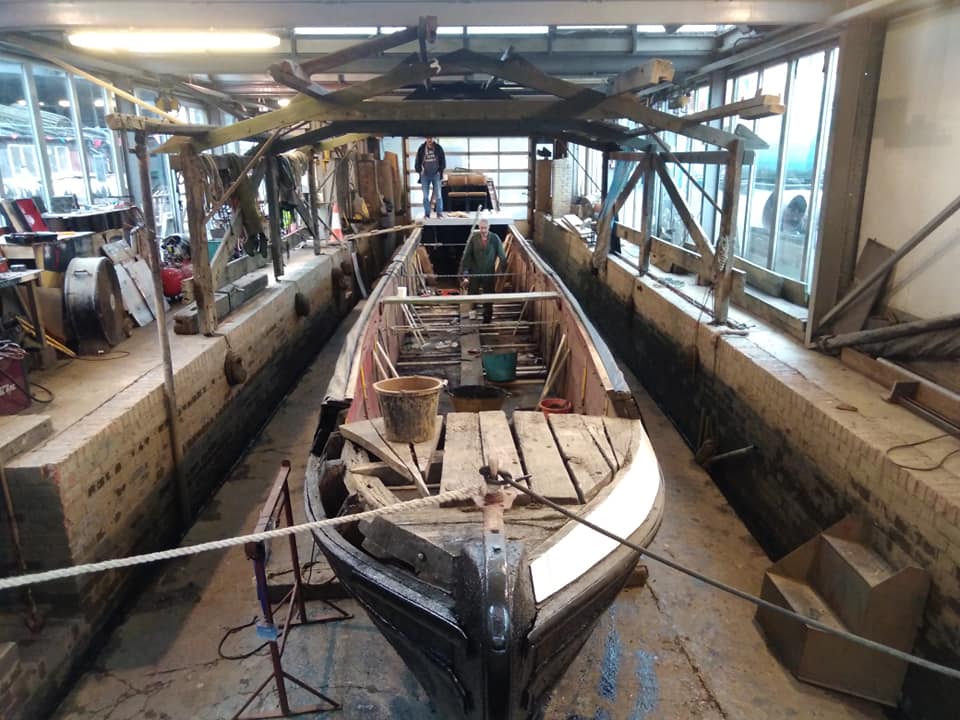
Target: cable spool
[(93, 302)]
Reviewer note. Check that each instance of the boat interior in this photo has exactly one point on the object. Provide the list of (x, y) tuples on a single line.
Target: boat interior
[(577, 453)]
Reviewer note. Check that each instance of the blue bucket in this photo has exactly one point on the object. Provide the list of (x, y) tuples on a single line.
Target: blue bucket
[(500, 367)]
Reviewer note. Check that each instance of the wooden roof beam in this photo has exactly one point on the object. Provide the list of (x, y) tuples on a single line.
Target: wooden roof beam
[(580, 100)]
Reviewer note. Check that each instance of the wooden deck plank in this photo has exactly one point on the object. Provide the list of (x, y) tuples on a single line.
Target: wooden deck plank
[(498, 441), (471, 366), (369, 434), (587, 466), (462, 453), (371, 490), (423, 452), (623, 435), (541, 458), (594, 425)]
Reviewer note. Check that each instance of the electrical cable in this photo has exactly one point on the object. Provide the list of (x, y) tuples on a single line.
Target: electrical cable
[(928, 468), (10, 350), (736, 592)]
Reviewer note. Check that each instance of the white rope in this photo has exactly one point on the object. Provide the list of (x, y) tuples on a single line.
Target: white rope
[(187, 550)]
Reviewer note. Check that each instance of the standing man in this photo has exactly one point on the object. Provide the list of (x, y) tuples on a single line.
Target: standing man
[(478, 263), (431, 162)]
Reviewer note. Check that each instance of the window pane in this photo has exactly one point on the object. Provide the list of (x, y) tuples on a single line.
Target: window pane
[(514, 162), (56, 115), (19, 161), (512, 196), (98, 141), (514, 144), (521, 179), (483, 145), (763, 199), (805, 102), (480, 163)]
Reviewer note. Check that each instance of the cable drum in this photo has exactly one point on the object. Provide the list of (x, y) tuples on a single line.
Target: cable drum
[(93, 303)]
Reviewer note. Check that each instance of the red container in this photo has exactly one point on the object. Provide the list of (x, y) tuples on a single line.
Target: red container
[(555, 406), (14, 389)]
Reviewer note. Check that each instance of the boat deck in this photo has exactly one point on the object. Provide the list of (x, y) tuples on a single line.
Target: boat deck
[(567, 458)]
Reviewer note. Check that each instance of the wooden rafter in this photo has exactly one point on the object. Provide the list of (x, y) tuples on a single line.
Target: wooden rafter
[(689, 221), (580, 100)]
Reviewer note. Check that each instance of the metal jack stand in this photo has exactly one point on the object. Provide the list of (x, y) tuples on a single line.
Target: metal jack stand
[(278, 503)]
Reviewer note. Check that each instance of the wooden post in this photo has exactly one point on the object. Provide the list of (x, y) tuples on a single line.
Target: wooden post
[(169, 390), (273, 209), (313, 189), (646, 219), (199, 252), (723, 258)]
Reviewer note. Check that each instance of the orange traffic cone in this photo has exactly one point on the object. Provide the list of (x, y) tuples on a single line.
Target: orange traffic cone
[(335, 228)]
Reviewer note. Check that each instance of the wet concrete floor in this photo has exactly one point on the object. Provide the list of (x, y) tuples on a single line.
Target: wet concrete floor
[(673, 649)]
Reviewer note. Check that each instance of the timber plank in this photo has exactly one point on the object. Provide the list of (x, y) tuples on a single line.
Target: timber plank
[(462, 453), (542, 459), (371, 490), (370, 435), (471, 366), (423, 452), (622, 433), (498, 443), (587, 466), (595, 428)]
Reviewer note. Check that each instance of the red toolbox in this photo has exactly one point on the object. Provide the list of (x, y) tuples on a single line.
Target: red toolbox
[(14, 387)]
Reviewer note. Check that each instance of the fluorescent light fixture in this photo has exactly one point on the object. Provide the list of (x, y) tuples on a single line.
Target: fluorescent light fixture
[(173, 41), (508, 30), (390, 30), (591, 27), (650, 29), (450, 30), (283, 102), (21, 101), (63, 103), (335, 31), (98, 102), (698, 29)]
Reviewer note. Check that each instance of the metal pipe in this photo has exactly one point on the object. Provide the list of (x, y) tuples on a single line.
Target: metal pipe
[(885, 266), (169, 389), (834, 342)]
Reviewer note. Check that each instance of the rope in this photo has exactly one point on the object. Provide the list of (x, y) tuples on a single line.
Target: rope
[(736, 592), (187, 550)]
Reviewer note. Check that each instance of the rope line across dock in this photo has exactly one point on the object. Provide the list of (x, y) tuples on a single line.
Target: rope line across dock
[(64, 573), (464, 493)]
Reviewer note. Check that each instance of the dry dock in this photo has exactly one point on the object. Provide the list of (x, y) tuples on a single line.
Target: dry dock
[(673, 649)]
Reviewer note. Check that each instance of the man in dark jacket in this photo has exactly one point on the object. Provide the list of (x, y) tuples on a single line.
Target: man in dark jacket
[(477, 266), (431, 162)]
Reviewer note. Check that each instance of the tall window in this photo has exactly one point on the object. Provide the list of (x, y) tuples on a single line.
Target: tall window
[(506, 160), (19, 164), (781, 193), (63, 147), (99, 146)]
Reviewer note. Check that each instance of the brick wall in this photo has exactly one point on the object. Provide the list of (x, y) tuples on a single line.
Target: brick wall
[(815, 460)]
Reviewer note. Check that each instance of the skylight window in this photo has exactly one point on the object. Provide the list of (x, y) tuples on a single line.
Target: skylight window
[(700, 29), (335, 31), (507, 30), (591, 27)]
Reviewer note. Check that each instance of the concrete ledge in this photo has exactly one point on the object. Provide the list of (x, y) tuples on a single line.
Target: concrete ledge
[(822, 431)]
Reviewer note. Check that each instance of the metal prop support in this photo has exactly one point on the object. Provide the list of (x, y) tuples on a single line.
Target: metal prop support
[(277, 510)]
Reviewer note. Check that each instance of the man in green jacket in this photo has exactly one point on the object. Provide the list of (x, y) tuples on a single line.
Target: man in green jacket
[(478, 263)]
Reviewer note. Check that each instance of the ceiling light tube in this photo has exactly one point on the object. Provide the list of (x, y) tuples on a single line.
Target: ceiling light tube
[(159, 42)]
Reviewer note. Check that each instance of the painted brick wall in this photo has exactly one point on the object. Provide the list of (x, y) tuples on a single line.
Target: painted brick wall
[(103, 487), (815, 462)]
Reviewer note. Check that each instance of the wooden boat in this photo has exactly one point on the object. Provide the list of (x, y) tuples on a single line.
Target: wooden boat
[(487, 608)]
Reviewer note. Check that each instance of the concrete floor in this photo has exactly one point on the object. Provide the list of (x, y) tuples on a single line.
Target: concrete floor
[(674, 649)]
